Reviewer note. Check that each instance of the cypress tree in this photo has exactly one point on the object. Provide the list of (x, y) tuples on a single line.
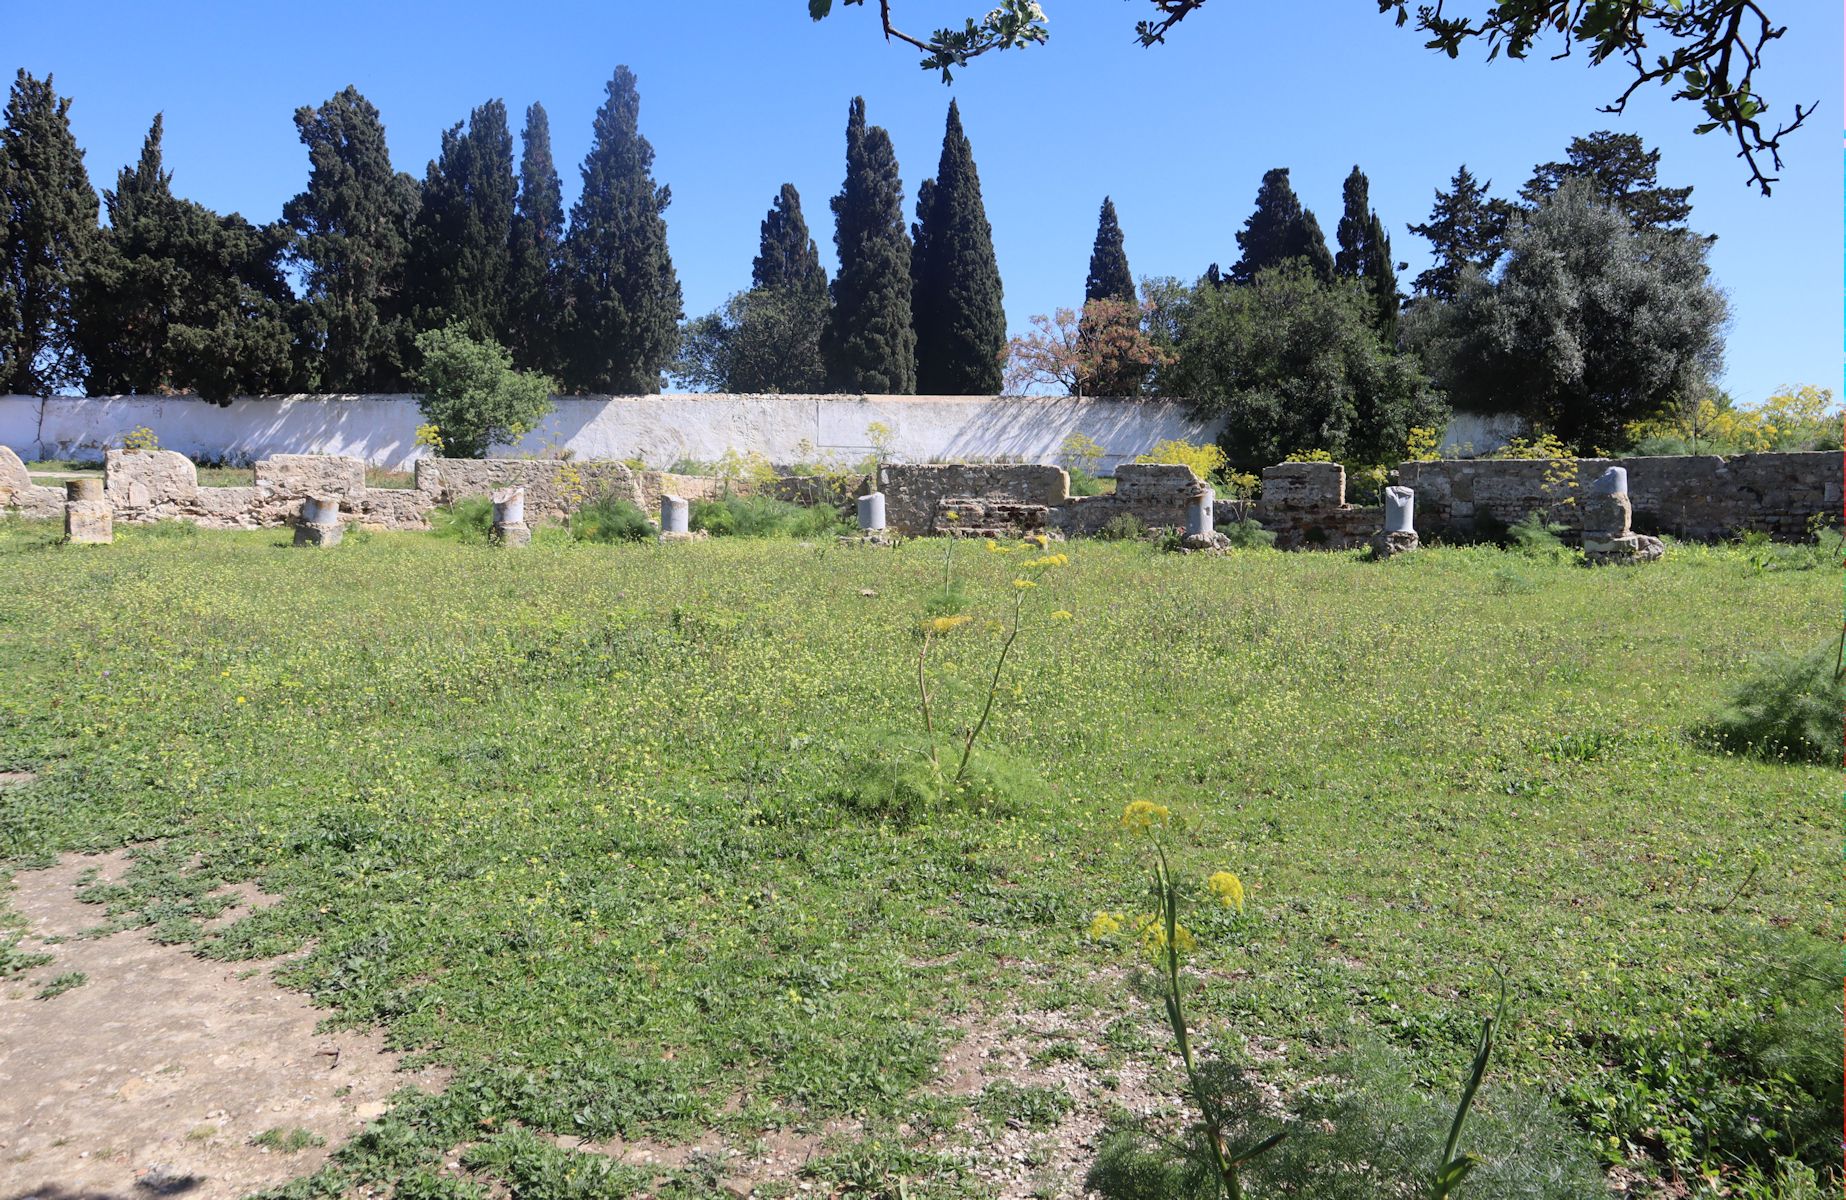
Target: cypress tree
[(871, 345), (461, 243), (535, 304), (50, 227), (956, 302), (625, 296), (353, 224), (1381, 281), (1278, 230), (1109, 278), (786, 258), (1466, 228), (177, 298), (1355, 227)]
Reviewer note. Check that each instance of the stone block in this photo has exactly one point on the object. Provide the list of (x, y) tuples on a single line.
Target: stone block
[(1606, 514), (149, 478), (13, 477), (1388, 543), (674, 516), (319, 524), (89, 488), (1612, 482), (1400, 505), (292, 475), (89, 522), (1304, 485), (1199, 514), (509, 525), (1623, 550)]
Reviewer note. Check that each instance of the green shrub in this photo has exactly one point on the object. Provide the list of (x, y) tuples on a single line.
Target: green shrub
[(1248, 535), (890, 778), (1534, 535), (609, 518), (467, 520), (762, 516), (1789, 709), (1082, 483), (1125, 527), (471, 394)]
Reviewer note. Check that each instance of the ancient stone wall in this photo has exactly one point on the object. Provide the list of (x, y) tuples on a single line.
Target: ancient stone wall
[(1696, 497), (1023, 498), (1304, 505)]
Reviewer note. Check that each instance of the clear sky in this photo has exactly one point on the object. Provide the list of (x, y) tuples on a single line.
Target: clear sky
[(738, 96)]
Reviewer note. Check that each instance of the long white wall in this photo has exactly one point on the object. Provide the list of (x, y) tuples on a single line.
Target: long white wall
[(661, 430), (658, 429)]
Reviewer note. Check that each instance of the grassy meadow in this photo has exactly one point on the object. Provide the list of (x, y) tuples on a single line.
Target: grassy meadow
[(620, 834)]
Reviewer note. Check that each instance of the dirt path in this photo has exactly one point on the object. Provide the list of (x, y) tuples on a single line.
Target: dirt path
[(153, 1075)]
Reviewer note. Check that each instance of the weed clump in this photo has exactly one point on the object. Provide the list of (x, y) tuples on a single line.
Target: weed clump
[(1789, 710), (611, 519), (764, 516), (468, 520)]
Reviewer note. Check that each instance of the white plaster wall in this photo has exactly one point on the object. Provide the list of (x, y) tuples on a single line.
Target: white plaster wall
[(658, 429), (661, 430)]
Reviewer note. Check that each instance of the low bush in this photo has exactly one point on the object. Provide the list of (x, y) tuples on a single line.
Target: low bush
[(611, 519), (1247, 535), (467, 520), (1534, 535), (761, 516), (1123, 528), (1789, 709)]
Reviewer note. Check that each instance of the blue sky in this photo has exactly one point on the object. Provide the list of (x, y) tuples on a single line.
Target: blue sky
[(740, 95)]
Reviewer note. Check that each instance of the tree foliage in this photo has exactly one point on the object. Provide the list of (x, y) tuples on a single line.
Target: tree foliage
[(1365, 255), (48, 219), (175, 298), (1466, 230), (787, 258), (1280, 230), (624, 294), (469, 391), (353, 235), (871, 344), (534, 289), (1109, 277), (957, 307), (461, 242), (1106, 350), (1708, 50), (1622, 172), (762, 340), (1293, 364), (1591, 326)]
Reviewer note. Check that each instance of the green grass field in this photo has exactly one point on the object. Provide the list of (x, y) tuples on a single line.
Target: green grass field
[(602, 828)]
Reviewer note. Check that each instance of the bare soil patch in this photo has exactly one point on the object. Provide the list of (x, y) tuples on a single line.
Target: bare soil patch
[(152, 1076)]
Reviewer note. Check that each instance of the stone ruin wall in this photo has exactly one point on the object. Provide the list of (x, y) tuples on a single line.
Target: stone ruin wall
[(158, 485), (1001, 500), (1698, 497), (1693, 497)]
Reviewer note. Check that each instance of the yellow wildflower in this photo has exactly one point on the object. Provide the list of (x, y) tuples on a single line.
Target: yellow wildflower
[(1227, 888), (951, 515), (1023, 584), (240, 699), (1141, 816), (1049, 560), (1104, 925), (1154, 937), (1063, 614), (946, 624)]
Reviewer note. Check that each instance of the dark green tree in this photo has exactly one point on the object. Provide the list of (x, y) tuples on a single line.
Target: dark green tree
[(1590, 326), (956, 297), (1622, 172), (1466, 228), (1381, 282), (1278, 230), (870, 345), (461, 242), (1294, 365), (176, 298), (1355, 226), (1365, 255), (50, 226), (624, 295), (787, 259), (534, 298), (763, 340), (1109, 277), (353, 224)]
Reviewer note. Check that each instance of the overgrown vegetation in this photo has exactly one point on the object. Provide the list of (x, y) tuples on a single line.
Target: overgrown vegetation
[(574, 822), (1789, 708)]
